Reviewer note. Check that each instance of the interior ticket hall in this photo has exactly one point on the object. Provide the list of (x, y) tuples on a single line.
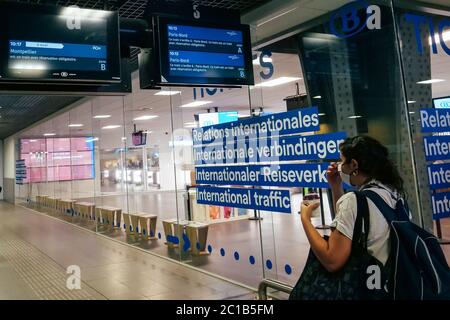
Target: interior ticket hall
[(181, 172)]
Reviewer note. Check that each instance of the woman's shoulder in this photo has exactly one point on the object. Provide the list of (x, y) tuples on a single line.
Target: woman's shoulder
[(347, 199), (388, 194)]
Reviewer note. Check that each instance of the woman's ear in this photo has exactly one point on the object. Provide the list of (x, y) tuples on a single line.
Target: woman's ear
[(354, 164)]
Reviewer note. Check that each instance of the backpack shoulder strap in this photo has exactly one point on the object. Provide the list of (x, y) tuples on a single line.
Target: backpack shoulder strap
[(362, 217), (388, 213)]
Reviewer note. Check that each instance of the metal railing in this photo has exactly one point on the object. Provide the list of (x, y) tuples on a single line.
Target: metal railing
[(267, 283)]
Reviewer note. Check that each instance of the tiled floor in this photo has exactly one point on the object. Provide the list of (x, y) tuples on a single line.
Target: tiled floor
[(281, 236), (35, 251)]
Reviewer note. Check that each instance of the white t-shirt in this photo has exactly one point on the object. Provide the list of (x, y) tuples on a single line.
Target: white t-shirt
[(378, 239)]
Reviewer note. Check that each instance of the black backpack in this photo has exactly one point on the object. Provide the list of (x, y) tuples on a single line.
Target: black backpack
[(416, 268)]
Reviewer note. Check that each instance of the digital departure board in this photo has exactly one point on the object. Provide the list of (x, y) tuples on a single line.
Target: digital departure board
[(441, 103), (43, 43), (58, 159), (198, 53)]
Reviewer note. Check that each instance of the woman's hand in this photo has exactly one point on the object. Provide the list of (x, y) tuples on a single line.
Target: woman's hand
[(333, 176), (307, 209)]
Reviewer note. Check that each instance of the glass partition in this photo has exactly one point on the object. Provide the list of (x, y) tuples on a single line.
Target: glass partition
[(125, 166), (424, 47)]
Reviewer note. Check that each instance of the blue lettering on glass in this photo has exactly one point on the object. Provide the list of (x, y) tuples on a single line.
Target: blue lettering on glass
[(417, 21), (437, 148), (290, 148), (443, 24), (440, 205), (291, 122), (439, 176), (266, 64), (347, 17), (283, 175), (257, 199), (435, 120), (211, 92)]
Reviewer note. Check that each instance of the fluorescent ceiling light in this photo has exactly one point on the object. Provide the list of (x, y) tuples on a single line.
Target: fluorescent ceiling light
[(277, 82), (355, 117), (411, 101), (111, 127), (430, 81), (92, 140), (75, 125), (196, 104), (322, 114), (412, 112), (437, 39), (142, 118), (167, 93), (276, 17), (180, 143), (102, 116), (190, 125), (49, 134), (317, 97), (82, 13)]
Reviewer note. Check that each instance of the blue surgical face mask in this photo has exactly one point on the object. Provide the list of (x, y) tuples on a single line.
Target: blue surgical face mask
[(344, 176)]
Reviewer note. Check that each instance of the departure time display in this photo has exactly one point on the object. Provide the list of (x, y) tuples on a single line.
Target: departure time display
[(205, 52), (29, 55), (198, 53), (58, 44)]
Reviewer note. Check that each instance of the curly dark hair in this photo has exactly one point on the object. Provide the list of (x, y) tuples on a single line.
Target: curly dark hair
[(373, 160)]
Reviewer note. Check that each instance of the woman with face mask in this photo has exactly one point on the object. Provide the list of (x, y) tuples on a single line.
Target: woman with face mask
[(364, 164)]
